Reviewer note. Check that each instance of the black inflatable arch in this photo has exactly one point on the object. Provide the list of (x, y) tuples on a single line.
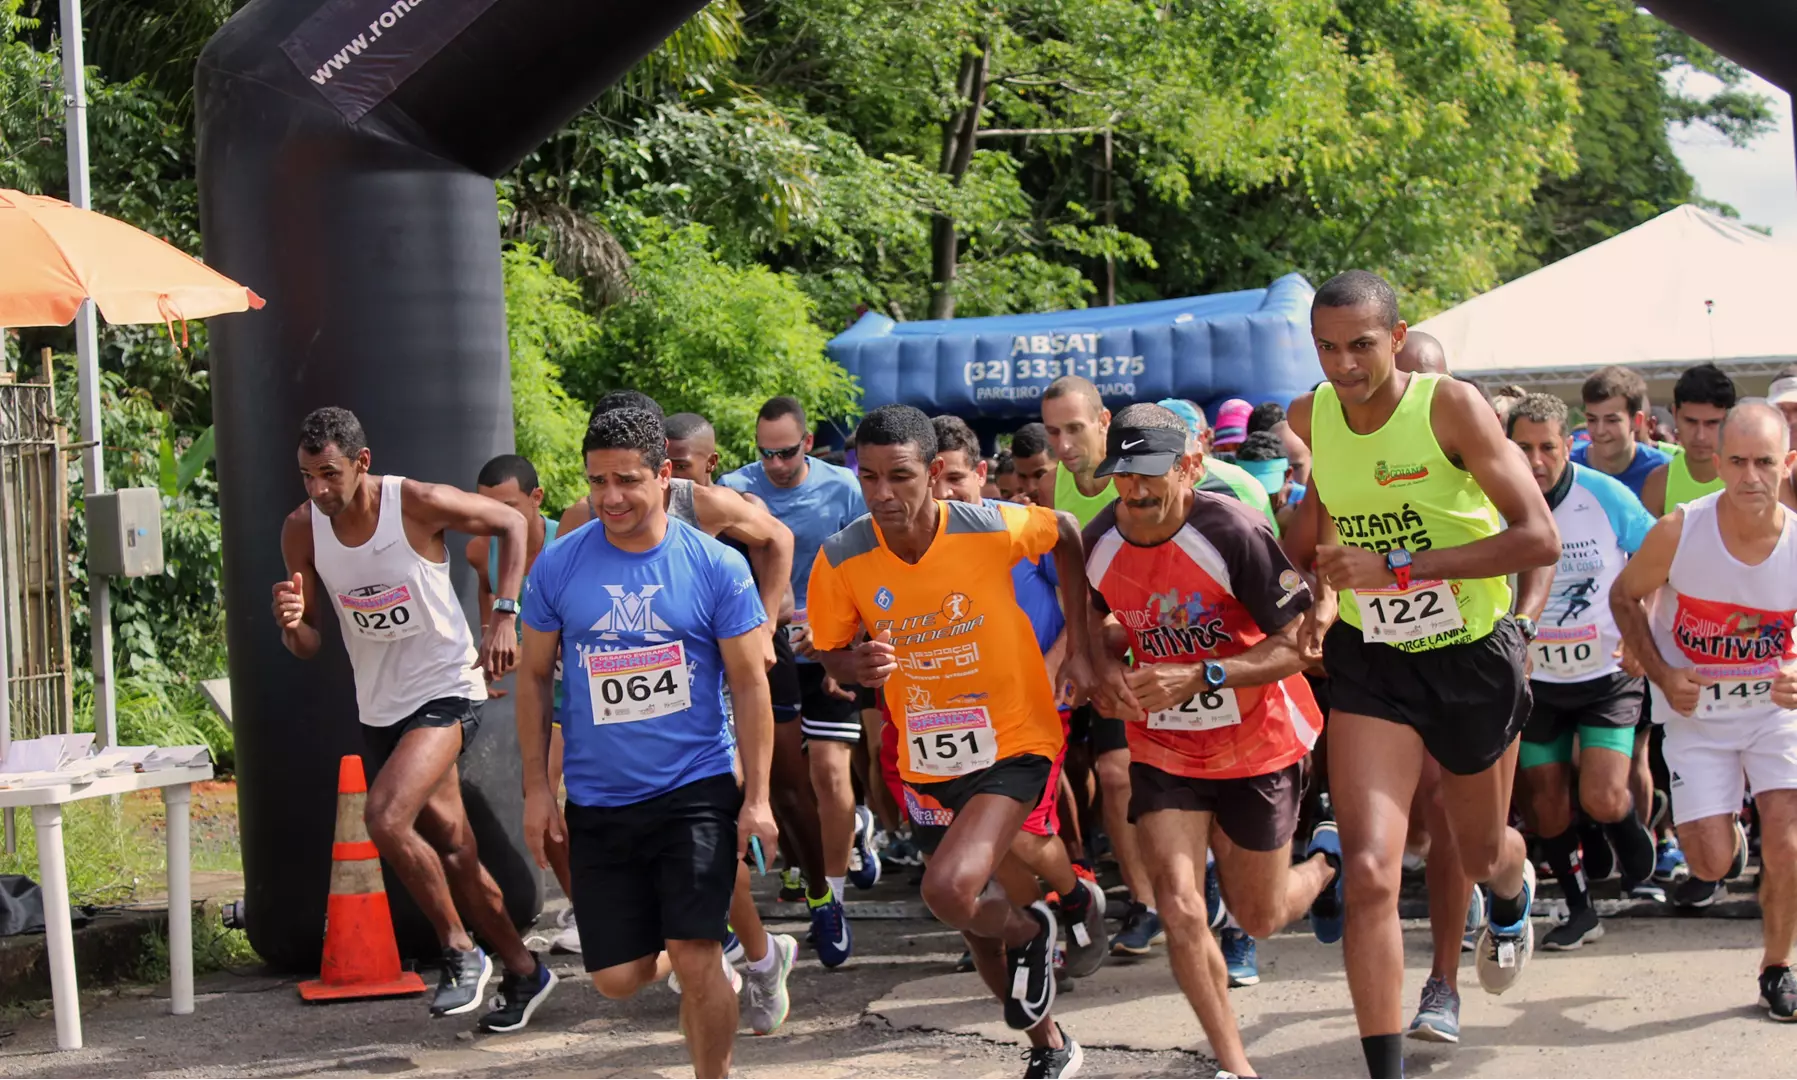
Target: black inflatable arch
[(347, 151)]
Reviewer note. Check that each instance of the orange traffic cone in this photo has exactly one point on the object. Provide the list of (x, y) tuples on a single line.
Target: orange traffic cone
[(361, 959)]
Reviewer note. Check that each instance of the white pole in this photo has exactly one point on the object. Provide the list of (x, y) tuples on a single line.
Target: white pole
[(93, 469)]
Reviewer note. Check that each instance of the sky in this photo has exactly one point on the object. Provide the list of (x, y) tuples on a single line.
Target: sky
[(1759, 180)]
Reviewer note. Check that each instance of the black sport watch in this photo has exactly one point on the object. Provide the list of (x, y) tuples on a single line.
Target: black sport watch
[(1527, 626), (505, 605)]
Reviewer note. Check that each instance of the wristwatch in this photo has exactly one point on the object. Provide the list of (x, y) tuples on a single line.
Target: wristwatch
[(1397, 560), (505, 605), (1214, 674), (1527, 626)]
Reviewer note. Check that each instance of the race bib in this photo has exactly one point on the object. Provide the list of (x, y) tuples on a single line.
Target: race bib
[(382, 612), (1206, 710), (951, 742), (1567, 652), (1738, 690), (638, 684), (799, 625), (1393, 616)]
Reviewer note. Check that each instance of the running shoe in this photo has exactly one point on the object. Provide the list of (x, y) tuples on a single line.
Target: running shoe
[(1739, 866), (1326, 918), (1475, 921), (864, 861), (1213, 896), (1083, 914), (1778, 993), (1030, 969), (767, 1002), (830, 931), (901, 851), (965, 964), (1505, 950), (1438, 1017), (1240, 956), (792, 887), (1048, 1062), (735, 977), (463, 984), (1141, 931), (567, 938), (1669, 865), (1645, 890), (1580, 929), (1695, 892), (733, 947), (519, 996)]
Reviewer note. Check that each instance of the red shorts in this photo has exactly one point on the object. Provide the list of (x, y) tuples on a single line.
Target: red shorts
[(1044, 820)]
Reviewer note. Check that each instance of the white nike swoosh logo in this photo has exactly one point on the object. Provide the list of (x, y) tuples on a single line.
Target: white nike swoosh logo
[(1133, 445), (842, 943)]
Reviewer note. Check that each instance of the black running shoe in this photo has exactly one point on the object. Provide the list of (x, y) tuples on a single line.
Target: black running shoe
[(1694, 892), (1031, 971), (1599, 856), (1047, 1062), (519, 996), (463, 984), (1578, 930), (1778, 993)]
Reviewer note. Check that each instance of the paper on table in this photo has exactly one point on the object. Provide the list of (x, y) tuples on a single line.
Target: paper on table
[(177, 757)]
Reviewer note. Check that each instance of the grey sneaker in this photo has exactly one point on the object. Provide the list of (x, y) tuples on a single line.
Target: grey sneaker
[(1438, 1017), (463, 984), (766, 1004), (1505, 950)]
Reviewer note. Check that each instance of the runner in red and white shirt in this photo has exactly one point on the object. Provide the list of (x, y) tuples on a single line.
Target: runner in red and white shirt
[(1196, 586)]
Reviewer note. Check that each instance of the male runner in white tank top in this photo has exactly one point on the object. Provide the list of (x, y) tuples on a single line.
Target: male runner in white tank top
[(374, 545), (1720, 654)]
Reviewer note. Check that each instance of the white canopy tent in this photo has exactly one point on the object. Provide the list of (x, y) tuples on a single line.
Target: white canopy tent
[(1681, 289)]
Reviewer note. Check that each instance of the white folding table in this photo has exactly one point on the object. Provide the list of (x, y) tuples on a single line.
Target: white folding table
[(46, 802)]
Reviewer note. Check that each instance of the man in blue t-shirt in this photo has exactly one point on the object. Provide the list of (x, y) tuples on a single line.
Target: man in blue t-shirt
[(1616, 418), (649, 616), (816, 500)]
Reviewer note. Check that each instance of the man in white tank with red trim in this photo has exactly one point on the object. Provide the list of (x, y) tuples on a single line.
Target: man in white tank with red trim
[(1719, 654), (375, 546)]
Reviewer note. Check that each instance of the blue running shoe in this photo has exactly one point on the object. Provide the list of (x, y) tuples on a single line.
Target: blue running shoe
[(830, 930), (864, 863), (1438, 1018), (1239, 954), (1213, 896), (1669, 865), (1326, 911), (1505, 950), (1141, 930)]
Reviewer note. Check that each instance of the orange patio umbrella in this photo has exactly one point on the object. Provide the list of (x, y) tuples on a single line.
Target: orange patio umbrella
[(54, 255)]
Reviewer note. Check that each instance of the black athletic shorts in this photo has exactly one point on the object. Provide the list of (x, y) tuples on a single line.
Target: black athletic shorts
[(654, 871), (436, 713), (1612, 700), (1102, 733), (1467, 701), (932, 807), (783, 681), (825, 717), (1258, 813)]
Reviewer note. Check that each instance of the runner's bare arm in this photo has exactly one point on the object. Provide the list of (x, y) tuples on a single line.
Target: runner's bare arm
[(1653, 491), (1070, 567), (1532, 589), (439, 507), (754, 708), (536, 702), (1645, 573), (295, 611), (730, 513), (476, 554)]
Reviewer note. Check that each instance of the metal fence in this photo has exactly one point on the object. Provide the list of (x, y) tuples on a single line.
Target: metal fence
[(34, 540)]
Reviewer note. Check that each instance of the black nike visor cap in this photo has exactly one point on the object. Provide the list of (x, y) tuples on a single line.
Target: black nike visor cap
[(1142, 451)]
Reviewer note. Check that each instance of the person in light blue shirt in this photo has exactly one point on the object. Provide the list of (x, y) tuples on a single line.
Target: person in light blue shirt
[(816, 500), (650, 616)]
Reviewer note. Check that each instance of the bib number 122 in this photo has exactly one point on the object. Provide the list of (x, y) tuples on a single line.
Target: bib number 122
[(1399, 610)]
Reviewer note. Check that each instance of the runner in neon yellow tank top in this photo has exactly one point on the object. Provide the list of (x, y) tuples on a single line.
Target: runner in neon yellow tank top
[(1412, 474), (1700, 399)]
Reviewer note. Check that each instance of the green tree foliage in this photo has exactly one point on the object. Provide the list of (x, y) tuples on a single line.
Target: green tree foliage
[(547, 328), (703, 336)]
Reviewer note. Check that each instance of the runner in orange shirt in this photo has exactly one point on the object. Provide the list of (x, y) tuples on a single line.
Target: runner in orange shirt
[(958, 659)]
